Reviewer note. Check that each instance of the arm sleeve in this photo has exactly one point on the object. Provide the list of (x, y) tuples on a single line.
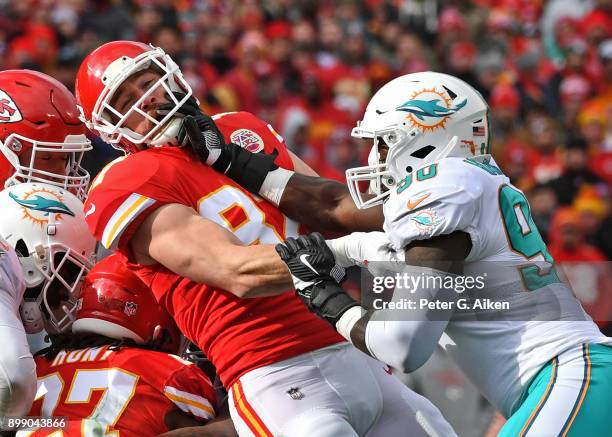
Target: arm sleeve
[(192, 392), (405, 338)]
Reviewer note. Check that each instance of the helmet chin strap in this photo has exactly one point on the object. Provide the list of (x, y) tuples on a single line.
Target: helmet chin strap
[(168, 135)]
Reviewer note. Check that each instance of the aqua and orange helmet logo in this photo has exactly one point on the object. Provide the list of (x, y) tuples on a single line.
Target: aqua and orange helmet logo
[(38, 203), (430, 109)]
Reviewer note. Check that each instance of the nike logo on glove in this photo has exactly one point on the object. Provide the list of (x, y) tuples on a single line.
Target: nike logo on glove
[(306, 263)]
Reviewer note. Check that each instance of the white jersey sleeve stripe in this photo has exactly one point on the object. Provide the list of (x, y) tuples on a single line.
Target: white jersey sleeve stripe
[(125, 214), (276, 134), (190, 403)]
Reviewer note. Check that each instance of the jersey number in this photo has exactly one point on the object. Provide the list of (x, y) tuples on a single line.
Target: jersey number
[(422, 174), (118, 387), (234, 210), (524, 238)]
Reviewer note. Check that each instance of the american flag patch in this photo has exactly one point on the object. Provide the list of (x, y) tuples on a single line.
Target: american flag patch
[(478, 131)]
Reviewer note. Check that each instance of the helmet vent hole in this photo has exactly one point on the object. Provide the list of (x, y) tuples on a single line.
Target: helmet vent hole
[(423, 152), (409, 169), (22, 248), (22, 84)]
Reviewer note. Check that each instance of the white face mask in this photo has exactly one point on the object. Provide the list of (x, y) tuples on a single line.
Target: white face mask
[(162, 130), (75, 179)]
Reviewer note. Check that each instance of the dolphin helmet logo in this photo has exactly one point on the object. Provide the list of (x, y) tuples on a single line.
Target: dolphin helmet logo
[(40, 203), (37, 205), (429, 109)]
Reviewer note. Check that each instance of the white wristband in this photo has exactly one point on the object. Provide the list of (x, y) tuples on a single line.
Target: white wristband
[(348, 320), (274, 185)]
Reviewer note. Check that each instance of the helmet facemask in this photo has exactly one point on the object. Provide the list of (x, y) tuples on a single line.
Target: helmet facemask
[(75, 179), (54, 276), (110, 122), (379, 176)]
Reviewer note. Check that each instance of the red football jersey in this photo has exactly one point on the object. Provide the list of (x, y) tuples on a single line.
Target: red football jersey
[(236, 334), (129, 390)]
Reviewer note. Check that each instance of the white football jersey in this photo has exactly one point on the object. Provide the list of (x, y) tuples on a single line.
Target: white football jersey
[(12, 284), (500, 350)]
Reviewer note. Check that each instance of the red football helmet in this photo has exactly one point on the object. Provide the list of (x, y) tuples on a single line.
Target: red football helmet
[(103, 72), (39, 114), (116, 303)]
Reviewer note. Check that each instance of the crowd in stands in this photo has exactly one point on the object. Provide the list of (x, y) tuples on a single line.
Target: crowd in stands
[(309, 68)]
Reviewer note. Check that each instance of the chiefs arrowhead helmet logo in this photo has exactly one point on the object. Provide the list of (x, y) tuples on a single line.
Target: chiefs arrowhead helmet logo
[(9, 112)]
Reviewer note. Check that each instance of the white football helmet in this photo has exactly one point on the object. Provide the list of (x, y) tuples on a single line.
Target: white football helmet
[(421, 118), (46, 226)]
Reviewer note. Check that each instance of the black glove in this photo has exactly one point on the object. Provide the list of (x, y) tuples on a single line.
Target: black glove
[(200, 132), (316, 276)]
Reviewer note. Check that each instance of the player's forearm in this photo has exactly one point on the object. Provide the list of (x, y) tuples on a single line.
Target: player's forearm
[(404, 338), (257, 271), (403, 344), (326, 205), (201, 250), (246, 271)]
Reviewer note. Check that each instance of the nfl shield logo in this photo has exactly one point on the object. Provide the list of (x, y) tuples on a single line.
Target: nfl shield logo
[(295, 393), (130, 308)]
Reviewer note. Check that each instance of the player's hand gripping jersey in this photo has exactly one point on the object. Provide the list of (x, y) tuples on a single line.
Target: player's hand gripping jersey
[(474, 196), (237, 335), (127, 391)]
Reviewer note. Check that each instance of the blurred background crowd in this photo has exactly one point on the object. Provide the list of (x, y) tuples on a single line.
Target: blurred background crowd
[(310, 67)]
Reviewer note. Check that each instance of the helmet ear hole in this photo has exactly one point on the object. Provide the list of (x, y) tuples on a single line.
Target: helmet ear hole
[(22, 248), (409, 169)]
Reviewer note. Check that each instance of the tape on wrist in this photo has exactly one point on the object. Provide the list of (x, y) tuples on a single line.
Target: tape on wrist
[(348, 320), (274, 185)]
